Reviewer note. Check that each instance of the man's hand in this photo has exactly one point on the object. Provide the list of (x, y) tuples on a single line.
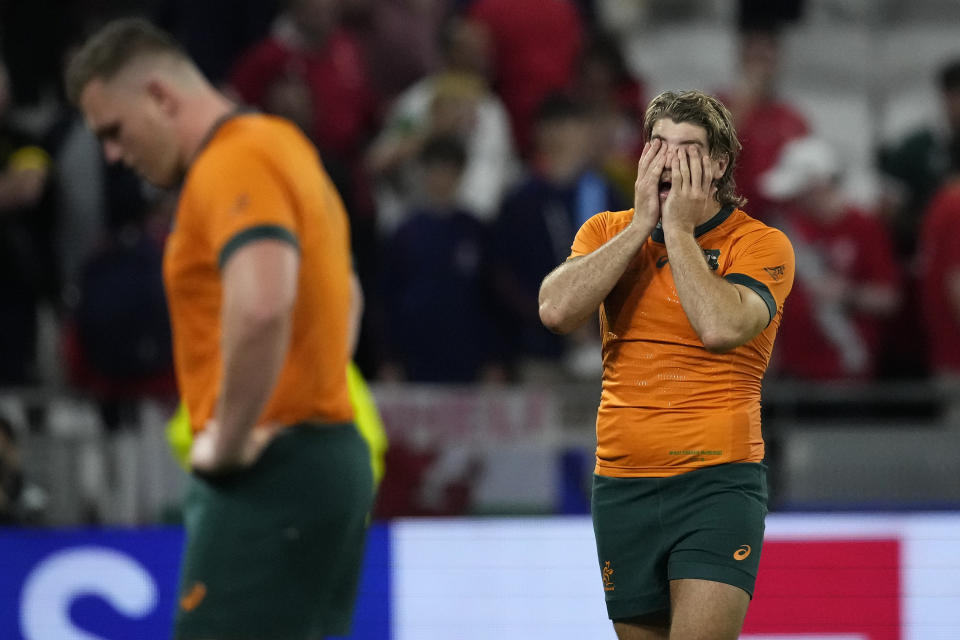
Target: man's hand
[(646, 197), (212, 455), (691, 189)]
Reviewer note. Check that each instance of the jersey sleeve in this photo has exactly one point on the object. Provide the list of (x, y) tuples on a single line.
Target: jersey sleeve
[(591, 236), (766, 265), (245, 200)]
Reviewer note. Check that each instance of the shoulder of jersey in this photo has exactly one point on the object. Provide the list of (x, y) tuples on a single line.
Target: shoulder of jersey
[(257, 128), (748, 223), (617, 217), (258, 133)]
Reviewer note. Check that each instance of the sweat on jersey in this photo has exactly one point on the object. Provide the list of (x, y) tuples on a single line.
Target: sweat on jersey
[(668, 405)]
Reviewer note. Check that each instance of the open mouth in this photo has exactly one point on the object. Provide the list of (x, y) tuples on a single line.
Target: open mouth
[(664, 188)]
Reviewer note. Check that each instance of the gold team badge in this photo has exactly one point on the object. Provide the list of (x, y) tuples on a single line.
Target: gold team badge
[(607, 573)]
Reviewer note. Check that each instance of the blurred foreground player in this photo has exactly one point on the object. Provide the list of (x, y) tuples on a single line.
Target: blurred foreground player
[(258, 276), (690, 291)]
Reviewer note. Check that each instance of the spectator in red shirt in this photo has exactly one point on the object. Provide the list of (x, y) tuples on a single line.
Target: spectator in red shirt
[(312, 70), (847, 282), (939, 266), (536, 44), (764, 122)]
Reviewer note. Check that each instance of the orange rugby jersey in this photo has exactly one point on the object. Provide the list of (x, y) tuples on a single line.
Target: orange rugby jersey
[(668, 405), (259, 177)]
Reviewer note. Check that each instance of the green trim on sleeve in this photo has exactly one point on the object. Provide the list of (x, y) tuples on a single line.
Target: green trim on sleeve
[(259, 232), (759, 287)]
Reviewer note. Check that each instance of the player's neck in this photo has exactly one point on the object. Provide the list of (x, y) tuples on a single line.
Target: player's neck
[(207, 113), (710, 212)]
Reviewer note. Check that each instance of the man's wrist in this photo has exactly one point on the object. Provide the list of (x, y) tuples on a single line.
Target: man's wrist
[(640, 231), (226, 448), (674, 230)]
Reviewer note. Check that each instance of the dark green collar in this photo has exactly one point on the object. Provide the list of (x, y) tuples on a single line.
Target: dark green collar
[(218, 124), (709, 225)]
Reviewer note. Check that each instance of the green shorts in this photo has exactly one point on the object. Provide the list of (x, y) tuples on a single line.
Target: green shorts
[(706, 524), (275, 551)]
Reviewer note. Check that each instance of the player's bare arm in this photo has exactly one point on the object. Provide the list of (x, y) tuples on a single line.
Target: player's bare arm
[(723, 314), (259, 288), (572, 292)]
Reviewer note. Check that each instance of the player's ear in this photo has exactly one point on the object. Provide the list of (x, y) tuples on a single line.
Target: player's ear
[(161, 94), (722, 161)]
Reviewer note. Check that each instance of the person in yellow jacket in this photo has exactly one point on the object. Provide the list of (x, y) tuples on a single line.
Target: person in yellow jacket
[(366, 417)]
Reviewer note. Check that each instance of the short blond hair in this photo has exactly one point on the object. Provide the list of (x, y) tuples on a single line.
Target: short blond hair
[(112, 48), (709, 113)]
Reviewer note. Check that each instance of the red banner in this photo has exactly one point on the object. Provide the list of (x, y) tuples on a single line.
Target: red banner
[(828, 588)]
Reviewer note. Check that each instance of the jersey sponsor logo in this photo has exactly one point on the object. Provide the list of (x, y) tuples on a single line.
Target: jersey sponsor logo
[(194, 597), (662, 260), (607, 573), (712, 257), (742, 553), (775, 272)]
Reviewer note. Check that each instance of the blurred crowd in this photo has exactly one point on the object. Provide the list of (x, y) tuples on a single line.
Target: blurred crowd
[(470, 139)]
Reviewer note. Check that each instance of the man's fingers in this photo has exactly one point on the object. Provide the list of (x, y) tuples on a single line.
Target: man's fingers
[(260, 437), (676, 177), (650, 151), (656, 167), (707, 175), (696, 169), (643, 154), (649, 169), (683, 166)]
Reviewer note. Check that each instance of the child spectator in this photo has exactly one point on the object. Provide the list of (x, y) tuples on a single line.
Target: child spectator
[(437, 315)]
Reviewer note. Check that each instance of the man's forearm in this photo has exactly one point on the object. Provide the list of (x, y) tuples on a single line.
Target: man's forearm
[(713, 306), (574, 290), (253, 356)]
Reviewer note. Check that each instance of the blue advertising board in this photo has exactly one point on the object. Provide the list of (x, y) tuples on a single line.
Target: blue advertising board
[(118, 584)]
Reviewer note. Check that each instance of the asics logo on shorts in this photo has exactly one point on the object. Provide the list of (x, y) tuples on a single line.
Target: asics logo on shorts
[(742, 552)]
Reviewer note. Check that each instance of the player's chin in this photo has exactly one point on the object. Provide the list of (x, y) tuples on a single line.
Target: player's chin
[(161, 177)]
